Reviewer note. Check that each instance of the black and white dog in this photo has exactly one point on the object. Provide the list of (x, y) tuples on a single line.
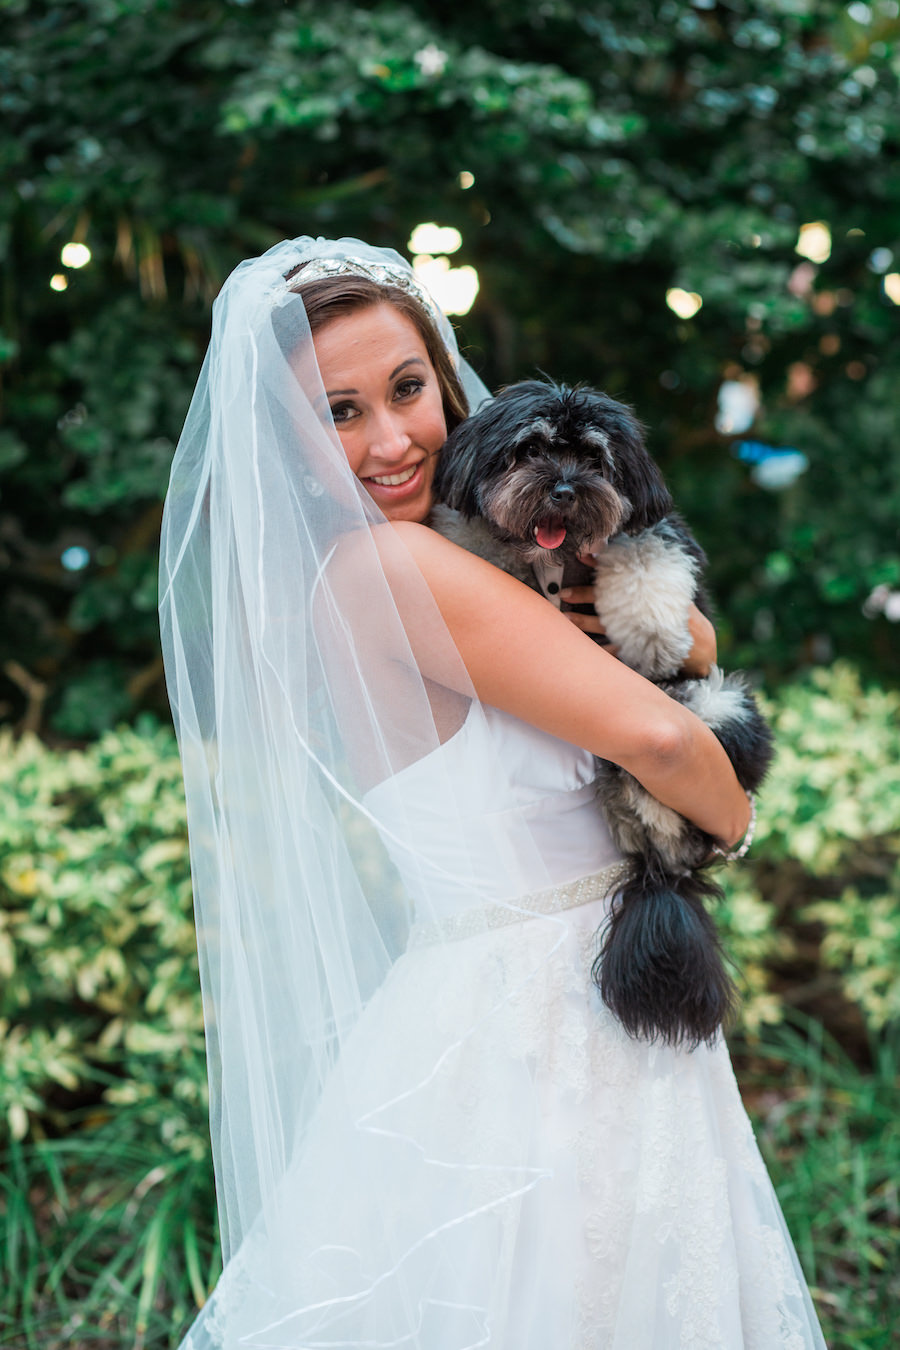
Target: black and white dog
[(534, 481)]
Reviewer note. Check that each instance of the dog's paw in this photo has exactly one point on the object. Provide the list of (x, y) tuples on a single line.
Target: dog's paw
[(644, 586)]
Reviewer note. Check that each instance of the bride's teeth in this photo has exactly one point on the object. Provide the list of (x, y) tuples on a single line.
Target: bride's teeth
[(395, 479)]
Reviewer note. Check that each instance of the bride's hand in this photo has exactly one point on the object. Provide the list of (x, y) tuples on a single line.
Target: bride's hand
[(702, 656), (588, 623)]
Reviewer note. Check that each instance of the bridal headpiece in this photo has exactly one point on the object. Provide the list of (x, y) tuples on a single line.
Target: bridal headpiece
[(383, 273)]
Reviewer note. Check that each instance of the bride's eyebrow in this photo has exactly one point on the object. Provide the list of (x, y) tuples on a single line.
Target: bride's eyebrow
[(410, 361)]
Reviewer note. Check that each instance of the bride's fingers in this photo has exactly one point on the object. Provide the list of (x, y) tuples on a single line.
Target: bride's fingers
[(581, 595), (578, 595)]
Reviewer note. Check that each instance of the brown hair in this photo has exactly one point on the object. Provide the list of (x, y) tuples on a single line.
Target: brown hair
[(334, 297)]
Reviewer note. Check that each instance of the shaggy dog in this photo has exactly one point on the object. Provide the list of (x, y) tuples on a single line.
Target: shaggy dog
[(535, 481)]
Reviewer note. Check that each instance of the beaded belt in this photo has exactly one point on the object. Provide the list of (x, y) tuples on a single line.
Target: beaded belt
[(484, 918)]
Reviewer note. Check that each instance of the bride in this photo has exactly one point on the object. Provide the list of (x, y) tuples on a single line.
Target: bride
[(428, 1131)]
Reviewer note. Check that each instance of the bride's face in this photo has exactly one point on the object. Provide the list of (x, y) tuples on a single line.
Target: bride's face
[(387, 407)]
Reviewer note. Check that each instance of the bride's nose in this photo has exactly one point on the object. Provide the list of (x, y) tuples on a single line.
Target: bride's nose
[(390, 440)]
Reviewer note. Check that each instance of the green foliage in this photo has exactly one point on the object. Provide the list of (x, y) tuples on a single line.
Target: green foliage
[(106, 1209), (618, 149), (830, 1135), (100, 1003), (817, 902), (107, 1239)]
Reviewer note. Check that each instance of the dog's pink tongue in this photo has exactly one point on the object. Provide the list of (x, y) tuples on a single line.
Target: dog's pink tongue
[(549, 533)]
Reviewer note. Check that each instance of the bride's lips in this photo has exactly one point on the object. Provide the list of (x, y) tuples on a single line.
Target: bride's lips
[(410, 483)]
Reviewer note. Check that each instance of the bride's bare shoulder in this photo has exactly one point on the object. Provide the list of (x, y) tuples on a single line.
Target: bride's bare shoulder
[(441, 560), (397, 542)]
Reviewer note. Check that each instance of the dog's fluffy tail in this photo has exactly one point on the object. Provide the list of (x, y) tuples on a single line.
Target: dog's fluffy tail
[(661, 969)]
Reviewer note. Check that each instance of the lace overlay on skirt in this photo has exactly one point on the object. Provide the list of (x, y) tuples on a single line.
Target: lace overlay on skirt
[(543, 1182)]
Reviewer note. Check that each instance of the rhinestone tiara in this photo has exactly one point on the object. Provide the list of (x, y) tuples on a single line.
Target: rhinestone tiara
[(383, 274)]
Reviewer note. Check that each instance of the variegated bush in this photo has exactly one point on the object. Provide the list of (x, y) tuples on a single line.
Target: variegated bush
[(100, 1005), (100, 1002)]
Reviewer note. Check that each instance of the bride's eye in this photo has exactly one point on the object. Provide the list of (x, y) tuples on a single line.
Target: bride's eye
[(343, 413), (409, 387)]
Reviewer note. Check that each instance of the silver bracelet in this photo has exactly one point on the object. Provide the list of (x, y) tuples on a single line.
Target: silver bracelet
[(732, 855)]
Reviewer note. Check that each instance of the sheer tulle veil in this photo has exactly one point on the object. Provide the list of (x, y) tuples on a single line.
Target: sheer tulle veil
[(294, 626)]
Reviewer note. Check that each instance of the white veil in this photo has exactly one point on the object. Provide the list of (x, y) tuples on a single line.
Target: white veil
[(289, 615)]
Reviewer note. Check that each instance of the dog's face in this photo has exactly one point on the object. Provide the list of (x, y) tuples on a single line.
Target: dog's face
[(552, 469)]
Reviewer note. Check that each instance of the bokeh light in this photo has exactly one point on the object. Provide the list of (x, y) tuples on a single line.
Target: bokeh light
[(892, 287), (75, 558), (738, 404), (454, 288), (58, 282), (433, 239), (683, 303), (880, 259), (75, 255), (814, 241), (772, 467)]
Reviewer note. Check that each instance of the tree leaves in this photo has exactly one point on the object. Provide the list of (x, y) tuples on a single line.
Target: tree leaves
[(618, 150)]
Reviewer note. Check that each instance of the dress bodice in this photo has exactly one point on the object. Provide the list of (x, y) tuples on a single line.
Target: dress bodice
[(499, 809)]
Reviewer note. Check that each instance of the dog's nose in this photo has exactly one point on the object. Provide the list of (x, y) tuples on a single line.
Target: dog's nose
[(563, 494)]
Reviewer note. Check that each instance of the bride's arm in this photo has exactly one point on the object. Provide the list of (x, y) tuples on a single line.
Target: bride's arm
[(523, 656)]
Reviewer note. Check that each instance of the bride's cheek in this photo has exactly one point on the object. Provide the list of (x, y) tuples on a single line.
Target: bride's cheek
[(353, 453)]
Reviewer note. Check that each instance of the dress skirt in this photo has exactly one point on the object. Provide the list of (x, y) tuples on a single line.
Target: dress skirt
[(523, 1177)]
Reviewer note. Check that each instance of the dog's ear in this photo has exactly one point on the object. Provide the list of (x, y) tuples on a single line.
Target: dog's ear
[(637, 475), (456, 476), (650, 499)]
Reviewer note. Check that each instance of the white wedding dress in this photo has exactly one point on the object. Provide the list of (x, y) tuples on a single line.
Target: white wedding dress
[(493, 1161)]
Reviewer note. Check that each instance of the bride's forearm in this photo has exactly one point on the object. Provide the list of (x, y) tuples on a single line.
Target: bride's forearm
[(685, 767)]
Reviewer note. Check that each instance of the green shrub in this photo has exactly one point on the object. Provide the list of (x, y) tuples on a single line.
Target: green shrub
[(106, 1208), (100, 1006), (816, 906), (107, 1231)]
